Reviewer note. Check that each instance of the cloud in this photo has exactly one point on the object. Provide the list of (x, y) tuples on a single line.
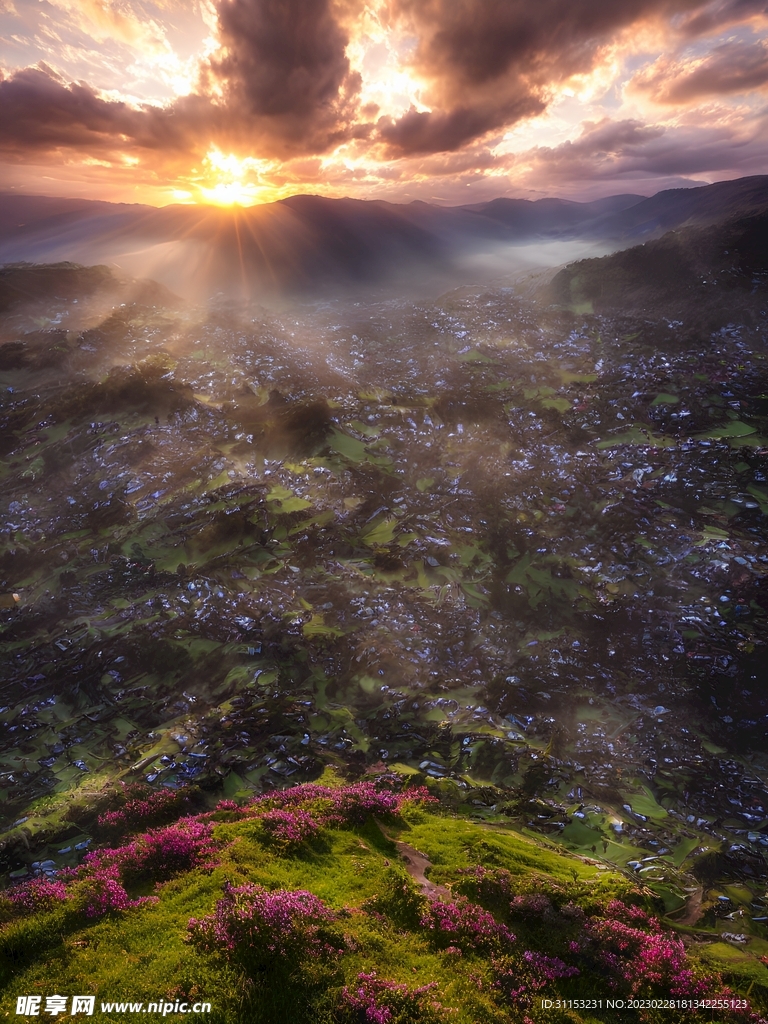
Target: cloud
[(491, 63), (277, 89), (618, 151), (103, 20), (721, 14), (280, 84), (418, 132), (730, 68), (41, 113), (283, 67)]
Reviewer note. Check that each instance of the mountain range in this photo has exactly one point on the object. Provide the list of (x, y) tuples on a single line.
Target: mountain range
[(313, 245)]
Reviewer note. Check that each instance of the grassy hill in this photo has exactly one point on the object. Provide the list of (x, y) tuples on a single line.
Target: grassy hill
[(357, 903)]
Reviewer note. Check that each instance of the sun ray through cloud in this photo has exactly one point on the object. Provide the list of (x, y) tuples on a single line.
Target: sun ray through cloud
[(241, 102)]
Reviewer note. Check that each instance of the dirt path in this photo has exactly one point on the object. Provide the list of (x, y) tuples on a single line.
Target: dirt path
[(692, 908), (416, 865)]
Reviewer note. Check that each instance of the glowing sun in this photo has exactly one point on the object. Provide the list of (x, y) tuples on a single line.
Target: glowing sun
[(231, 180)]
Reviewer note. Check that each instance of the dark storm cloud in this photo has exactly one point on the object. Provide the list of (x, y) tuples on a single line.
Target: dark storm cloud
[(419, 132), (40, 112), (730, 68), (491, 62), (284, 68)]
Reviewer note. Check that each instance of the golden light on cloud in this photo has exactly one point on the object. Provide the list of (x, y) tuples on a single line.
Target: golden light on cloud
[(245, 102), (387, 80), (105, 20)]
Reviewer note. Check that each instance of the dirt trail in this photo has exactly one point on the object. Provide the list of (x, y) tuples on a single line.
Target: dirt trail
[(416, 865), (692, 908)]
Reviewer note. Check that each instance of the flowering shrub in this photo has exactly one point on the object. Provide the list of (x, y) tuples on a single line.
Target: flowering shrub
[(630, 944), (465, 925), (355, 803), (158, 853), (645, 960), (633, 915), (548, 968), (258, 929), (36, 894), (100, 894), (143, 809), (162, 852), (573, 912), (227, 805), (342, 805), (486, 885), (289, 829), (531, 907), (519, 978), (375, 1000), (531, 898), (99, 881)]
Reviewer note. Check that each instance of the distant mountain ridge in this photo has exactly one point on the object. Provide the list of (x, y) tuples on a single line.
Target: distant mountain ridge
[(306, 243)]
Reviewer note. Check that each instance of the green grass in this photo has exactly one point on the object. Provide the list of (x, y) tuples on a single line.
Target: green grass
[(143, 955), (739, 966)]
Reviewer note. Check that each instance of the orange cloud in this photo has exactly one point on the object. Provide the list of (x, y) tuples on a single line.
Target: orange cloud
[(731, 68), (284, 97)]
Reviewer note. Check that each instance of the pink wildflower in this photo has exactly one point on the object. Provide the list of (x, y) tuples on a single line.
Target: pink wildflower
[(145, 809), (158, 853), (289, 829), (258, 928), (465, 925), (100, 894), (36, 894), (378, 1000)]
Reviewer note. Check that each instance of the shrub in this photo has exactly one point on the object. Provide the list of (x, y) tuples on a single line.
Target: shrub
[(645, 961), (343, 805), (464, 925), (399, 900), (520, 978), (163, 852), (374, 1000), (35, 895), (492, 886), (101, 894), (289, 829), (158, 853), (531, 907), (639, 957), (144, 808), (258, 929)]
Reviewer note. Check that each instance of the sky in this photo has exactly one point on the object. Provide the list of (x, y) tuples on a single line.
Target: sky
[(447, 101)]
